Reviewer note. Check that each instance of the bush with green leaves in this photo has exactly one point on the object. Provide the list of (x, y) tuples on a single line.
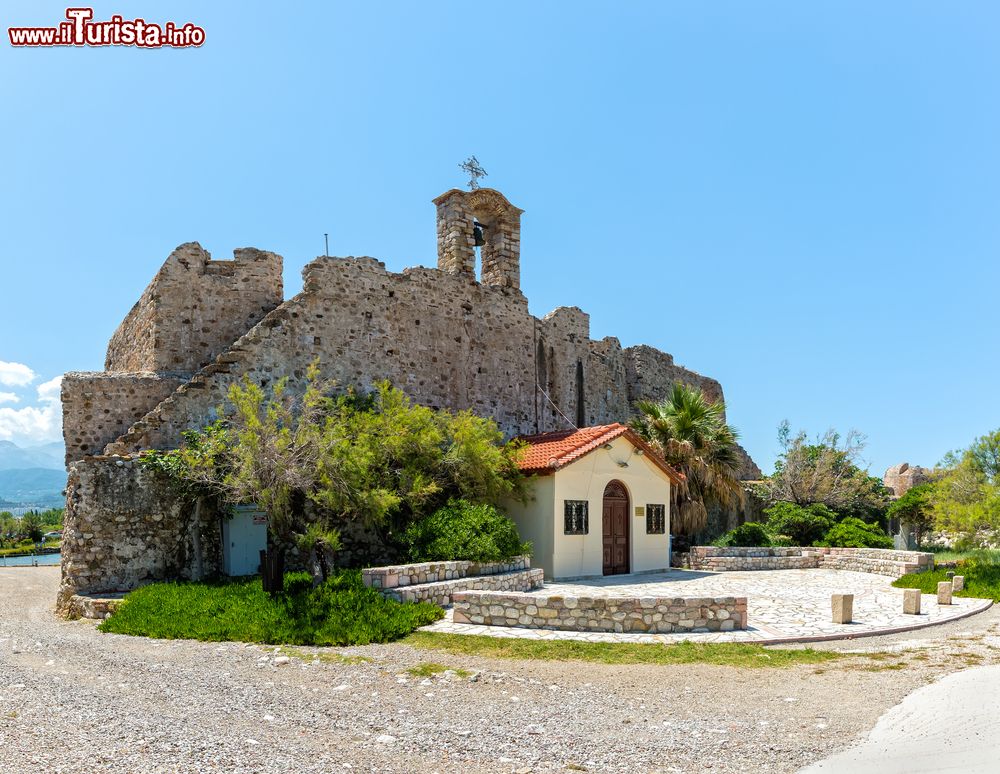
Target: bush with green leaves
[(749, 535), (803, 525), (914, 510), (463, 530), (341, 611), (854, 533)]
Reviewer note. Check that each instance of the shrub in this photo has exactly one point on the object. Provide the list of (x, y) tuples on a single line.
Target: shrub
[(342, 611), (750, 535), (854, 533), (461, 530), (803, 525)]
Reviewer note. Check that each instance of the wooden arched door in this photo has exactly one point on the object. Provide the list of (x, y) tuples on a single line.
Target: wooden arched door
[(615, 529)]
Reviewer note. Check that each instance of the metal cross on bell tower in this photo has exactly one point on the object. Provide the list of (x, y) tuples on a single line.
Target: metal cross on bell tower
[(474, 170)]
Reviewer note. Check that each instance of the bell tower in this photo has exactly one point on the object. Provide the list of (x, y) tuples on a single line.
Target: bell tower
[(479, 218)]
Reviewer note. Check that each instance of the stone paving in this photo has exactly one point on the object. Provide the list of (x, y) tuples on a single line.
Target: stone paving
[(782, 606)]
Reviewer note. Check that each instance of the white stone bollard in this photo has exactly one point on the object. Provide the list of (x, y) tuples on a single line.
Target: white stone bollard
[(944, 593), (958, 583), (911, 601), (843, 608)]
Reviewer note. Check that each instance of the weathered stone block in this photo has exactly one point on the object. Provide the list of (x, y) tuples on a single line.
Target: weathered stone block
[(843, 608), (911, 601), (944, 590), (958, 583)]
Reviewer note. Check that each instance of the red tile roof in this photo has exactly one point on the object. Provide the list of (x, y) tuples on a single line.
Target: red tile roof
[(548, 452)]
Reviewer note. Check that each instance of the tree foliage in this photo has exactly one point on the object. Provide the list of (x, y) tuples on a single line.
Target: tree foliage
[(749, 534), (317, 460), (825, 471), (855, 533), (691, 433), (461, 530), (965, 498), (914, 510), (803, 525)]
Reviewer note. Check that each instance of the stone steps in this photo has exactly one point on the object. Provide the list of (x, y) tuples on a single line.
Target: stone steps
[(441, 592), (428, 572)]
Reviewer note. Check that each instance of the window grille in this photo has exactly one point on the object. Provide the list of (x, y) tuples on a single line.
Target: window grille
[(576, 518), (656, 519)]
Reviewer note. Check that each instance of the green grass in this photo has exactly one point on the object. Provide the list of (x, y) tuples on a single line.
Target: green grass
[(981, 554), (430, 668), (726, 654), (340, 612), (26, 548), (981, 573)]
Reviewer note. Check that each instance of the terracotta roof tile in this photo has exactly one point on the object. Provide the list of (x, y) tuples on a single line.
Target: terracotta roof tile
[(548, 452)]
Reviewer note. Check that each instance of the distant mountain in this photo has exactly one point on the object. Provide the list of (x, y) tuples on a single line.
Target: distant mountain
[(33, 486), (49, 456)]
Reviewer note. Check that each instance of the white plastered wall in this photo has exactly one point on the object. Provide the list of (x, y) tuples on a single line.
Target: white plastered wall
[(534, 520)]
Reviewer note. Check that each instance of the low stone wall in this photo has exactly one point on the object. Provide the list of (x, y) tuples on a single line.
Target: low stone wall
[(877, 560), (435, 572), (97, 607), (442, 593), (659, 615), (874, 560), (717, 559)]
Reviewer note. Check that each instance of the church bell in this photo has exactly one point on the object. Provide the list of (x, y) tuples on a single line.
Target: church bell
[(477, 234)]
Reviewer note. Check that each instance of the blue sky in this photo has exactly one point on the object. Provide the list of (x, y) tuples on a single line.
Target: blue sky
[(799, 199)]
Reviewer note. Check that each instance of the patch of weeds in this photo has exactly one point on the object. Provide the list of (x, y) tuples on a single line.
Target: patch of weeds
[(723, 654), (325, 656), (881, 667), (430, 668)]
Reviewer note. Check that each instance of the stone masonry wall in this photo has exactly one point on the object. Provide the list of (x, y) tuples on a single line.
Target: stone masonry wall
[(394, 576), (712, 559), (98, 407), (874, 560), (194, 309), (123, 527), (437, 582), (660, 615), (442, 593), (446, 340)]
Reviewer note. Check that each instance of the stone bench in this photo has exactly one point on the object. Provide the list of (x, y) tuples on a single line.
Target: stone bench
[(656, 615), (442, 593)]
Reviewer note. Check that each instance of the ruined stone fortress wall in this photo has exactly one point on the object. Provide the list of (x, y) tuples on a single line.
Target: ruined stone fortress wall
[(443, 337), (192, 311)]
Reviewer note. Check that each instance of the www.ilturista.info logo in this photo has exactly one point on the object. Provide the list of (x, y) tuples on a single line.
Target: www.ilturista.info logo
[(79, 30)]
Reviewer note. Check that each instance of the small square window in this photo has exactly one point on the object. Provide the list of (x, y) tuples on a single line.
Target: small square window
[(576, 518), (656, 519)]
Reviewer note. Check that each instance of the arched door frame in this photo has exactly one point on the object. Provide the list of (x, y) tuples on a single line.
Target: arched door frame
[(616, 533)]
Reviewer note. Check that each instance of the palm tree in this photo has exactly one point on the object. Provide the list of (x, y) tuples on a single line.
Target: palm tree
[(691, 433)]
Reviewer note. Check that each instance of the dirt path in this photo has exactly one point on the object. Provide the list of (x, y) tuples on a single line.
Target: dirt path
[(74, 700)]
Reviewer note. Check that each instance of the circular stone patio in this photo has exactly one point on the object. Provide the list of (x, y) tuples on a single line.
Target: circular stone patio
[(782, 606)]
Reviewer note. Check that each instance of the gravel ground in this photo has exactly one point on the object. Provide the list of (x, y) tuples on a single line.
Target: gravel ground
[(75, 700)]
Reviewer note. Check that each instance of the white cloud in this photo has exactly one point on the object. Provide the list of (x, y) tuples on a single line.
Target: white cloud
[(9, 397), (15, 374), (33, 424), (51, 390)]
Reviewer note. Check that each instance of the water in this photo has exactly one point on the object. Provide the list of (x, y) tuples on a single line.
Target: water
[(27, 561)]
